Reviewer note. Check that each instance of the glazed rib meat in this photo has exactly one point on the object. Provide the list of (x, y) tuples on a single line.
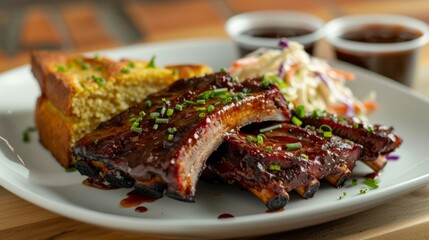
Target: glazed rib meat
[(161, 145), (377, 140), (283, 159)]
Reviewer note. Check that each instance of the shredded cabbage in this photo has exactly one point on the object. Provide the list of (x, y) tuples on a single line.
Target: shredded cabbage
[(303, 79)]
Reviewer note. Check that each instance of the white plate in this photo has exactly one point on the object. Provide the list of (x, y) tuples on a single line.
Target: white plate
[(46, 184)]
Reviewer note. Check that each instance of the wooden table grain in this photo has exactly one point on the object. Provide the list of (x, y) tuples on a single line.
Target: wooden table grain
[(85, 25)]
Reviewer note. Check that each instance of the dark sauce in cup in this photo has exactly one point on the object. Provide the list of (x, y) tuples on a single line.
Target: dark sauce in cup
[(398, 66), (277, 33)]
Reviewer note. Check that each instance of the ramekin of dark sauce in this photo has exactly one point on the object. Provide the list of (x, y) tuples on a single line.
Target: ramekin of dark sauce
[(386, 44), (263, 29)]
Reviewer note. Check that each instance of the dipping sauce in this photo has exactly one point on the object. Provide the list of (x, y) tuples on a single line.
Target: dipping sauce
[(277, 33), (399, 66), (377, 33)]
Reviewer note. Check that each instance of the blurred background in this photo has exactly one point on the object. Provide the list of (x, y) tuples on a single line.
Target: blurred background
[(78, 25)]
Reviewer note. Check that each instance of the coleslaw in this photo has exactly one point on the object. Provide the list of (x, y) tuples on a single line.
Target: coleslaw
[(304, 80)]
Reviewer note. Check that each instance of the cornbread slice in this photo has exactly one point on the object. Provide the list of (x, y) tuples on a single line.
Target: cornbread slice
[(78, 93)]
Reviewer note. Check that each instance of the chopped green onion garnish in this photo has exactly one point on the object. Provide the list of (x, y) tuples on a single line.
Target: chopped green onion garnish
[(304, 155), (354, 182), (260, 139), (26, 134), (241, 95), (151, 63), (293, 146), (163, 109), (172, 130), (342, 120), (99, 80), (201, 115), (61, 68), (325, 128), (327, 134), (155, 126), (342, 196), (136, 129), (223, 70), (296, 121), (142, 114), (85, 66), (148, 103), (154, 115), (370, 183), (227, 100), (300, 111), (210, 108), (161, 120), (125, 70), (311, 127), (72, 169), (179, 107), (190, 102), (205, 95), (235, 79), (135, 125), (356, 125), (370, 129), (97, 57), (251, 139), (265, 83), (174, 72), (269, 148), (132, 119), (317, 113), (220, 90), (170, 137), (170, 112), (364, 190), (270, 128), (70, 65), (274, 167), (200, 109), (201, 101), (132, 64)]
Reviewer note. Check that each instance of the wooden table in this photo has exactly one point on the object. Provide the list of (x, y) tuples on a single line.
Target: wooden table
[(83, 25)]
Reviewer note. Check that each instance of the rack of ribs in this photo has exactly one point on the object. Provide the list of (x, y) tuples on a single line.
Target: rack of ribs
[(286, 158), (161, 145)]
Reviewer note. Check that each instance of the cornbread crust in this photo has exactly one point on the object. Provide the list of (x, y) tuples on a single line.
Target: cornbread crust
[(55, 131), (72, 103), (53, 87)]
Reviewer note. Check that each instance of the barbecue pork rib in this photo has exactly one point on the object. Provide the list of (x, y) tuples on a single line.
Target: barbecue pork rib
[(161, 145), (283, 159), (377, 140)]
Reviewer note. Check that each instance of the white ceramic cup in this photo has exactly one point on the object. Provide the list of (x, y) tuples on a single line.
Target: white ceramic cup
[(395, 60), (241, 23)]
